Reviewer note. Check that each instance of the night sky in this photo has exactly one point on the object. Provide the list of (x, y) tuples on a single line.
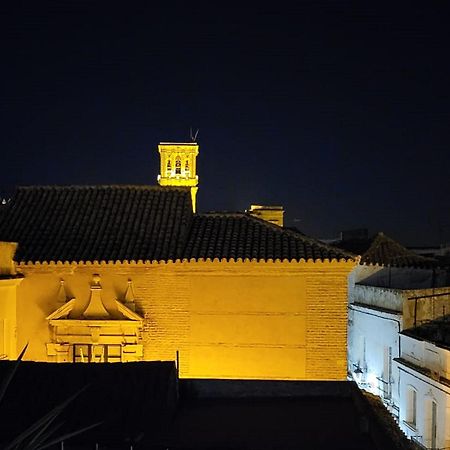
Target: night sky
[(339, 111)]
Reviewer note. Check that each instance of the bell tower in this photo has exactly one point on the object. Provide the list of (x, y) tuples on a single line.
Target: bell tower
[(179, 166)]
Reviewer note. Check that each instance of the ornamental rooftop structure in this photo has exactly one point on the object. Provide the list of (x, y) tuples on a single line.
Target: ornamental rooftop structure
[(131, 223)]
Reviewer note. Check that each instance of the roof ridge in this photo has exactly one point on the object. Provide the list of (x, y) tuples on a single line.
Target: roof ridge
[(101, 186), (222, 213)]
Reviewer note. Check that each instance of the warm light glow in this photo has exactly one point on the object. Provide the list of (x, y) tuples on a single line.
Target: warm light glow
[(225, 319)]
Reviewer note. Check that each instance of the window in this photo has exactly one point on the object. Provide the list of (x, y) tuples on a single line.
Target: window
[(96, 353), (186, 167), (387, 373), (411, 407), (433, 424), (178, 166), (169, 166)]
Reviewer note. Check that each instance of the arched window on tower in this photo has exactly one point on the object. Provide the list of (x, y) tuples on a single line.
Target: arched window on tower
[(178, 166), (186, 168), (169, 167)]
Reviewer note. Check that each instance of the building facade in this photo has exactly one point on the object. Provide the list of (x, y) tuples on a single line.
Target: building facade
[(132, 273), (377, 316), (424, 383), (392, 290)]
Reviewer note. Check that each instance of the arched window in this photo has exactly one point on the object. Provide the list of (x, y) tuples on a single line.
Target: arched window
[(169, 166), (178, 166), (186, 167), (411, 406), (431, 421)]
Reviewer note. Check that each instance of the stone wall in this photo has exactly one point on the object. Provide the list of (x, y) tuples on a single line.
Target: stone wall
[(243, 319)]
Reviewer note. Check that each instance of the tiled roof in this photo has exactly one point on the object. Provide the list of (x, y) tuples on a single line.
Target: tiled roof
[(239, 235), (383, 250), (104, 223), (386, 251), (87, 223)]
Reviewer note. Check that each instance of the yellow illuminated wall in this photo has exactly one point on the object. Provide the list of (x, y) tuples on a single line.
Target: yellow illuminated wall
[(9, 281), (8, 317), (259, 320), (272, 214)]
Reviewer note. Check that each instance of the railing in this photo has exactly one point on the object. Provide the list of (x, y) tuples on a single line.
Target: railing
[(416, 441)]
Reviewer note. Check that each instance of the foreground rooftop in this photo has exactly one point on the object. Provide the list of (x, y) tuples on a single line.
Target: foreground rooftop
[(143, 405)]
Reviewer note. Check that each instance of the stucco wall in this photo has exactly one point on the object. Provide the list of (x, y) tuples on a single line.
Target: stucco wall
[(427, 355), (389, 299), (275, 320), (427, 391), (424, 305), (8, 317), (372, 345)]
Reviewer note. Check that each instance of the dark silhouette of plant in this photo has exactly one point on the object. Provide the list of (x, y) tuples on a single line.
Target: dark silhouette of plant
[(41, 434)]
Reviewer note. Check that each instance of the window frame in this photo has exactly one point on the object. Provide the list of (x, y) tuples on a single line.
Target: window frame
[(411, 407), (92, 356)]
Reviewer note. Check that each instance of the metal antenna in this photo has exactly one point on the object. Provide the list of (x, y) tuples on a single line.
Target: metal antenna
[(193, 136)]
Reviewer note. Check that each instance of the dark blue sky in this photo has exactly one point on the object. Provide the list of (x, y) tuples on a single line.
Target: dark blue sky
[(339, 111)]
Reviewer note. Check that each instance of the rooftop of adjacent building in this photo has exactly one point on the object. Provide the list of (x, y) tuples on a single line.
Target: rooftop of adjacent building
[(436, 331), (432, 251), (125, 223), (381, 249)]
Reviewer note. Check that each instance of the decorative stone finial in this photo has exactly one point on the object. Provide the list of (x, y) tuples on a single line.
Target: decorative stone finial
[(96, 309), (62, 295), (129, 297)]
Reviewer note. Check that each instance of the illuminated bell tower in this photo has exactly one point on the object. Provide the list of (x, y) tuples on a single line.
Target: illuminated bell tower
[(179, 166)]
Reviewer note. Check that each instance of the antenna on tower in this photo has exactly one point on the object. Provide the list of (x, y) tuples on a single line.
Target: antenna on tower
[(193, 135)]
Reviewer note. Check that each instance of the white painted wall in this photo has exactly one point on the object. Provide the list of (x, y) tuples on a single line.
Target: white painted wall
[(379, 297), (428, 389), (426, 355), (372, 345), (383, 302)]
